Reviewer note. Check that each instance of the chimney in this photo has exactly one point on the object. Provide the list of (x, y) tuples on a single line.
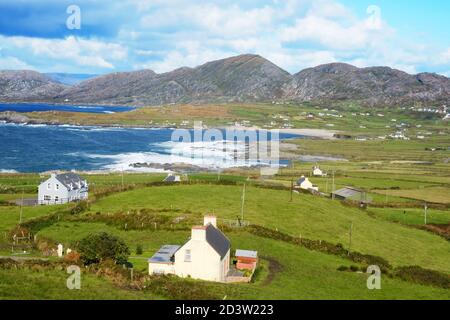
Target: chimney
[(198, 233), (210, 220)]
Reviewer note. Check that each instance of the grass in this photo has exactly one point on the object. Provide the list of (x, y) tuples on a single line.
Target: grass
[(412, 216), (435, 195), (302, 271), (312, 217)]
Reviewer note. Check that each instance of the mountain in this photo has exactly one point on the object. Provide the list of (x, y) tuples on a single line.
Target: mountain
[(244, 78), (27, 86), (69, 79), (375, 85), (241, 78)]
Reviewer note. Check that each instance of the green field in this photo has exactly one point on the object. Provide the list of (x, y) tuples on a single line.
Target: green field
[(400, 176)]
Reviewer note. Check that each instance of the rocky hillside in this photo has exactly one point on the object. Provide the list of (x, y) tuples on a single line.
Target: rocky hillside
[(241, 78), (376, 85), (27, 86), (245, 78)]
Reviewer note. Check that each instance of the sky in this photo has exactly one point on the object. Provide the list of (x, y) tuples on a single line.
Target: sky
[(100, 36)]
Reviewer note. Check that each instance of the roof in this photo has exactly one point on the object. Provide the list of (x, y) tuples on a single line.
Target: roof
[(172, 178), (246, 253), (217, 240), (69, 180), (165, 254), (347, 192), (301, 180)]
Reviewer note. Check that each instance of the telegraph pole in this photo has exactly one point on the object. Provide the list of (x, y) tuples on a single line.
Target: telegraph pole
[(292, 189), (425, 212), (21, 207), (332, 190), (242, 203)]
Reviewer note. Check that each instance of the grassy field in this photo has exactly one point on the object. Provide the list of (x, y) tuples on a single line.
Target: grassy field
[(399, 175)]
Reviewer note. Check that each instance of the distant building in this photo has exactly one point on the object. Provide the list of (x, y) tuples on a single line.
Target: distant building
[(172, 178), (205, 256), (352, 194), (305, 184), (62, 188), (317, 172)]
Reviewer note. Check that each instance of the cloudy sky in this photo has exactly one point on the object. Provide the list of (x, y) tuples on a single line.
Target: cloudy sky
[(162, 35)]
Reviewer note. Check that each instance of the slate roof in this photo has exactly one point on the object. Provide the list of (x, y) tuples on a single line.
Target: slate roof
[(217, 240), (70, 179), (165, 254), (171, 178), (301, 180)]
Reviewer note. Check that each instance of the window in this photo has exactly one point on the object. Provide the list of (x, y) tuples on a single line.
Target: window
[(56, 198), (57, 186), (47, 198), (187, 256), (49, 186)]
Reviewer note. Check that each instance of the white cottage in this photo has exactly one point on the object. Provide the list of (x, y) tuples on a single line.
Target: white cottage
[(305, 184), (317, 172), (205, 256), (62, 188)]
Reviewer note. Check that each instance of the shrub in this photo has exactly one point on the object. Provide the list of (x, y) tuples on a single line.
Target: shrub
[(98, 247), (139, 249), (80, 207), (423, 276)]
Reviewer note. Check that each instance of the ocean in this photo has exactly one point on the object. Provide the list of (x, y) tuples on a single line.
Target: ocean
[(39, 107), (39, 148)]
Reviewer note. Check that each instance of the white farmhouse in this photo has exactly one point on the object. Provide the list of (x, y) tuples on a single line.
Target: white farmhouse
[(205, 256), (305, 184), (317, 172), (62, 188)]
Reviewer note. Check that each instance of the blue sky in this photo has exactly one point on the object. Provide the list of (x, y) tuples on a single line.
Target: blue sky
[(162, 35)]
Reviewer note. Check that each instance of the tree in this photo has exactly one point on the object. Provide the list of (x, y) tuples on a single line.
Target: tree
[(96, 248)]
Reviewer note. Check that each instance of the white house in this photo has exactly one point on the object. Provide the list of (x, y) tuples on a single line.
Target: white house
[(62, 188), (317, 172), (305, 184), (205, 256)]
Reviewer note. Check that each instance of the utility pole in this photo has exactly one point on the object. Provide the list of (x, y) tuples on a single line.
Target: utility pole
[(292, 189), (332, 188), (21, 207), (350, 237), (122, 178), (243, 201), (425, 212)]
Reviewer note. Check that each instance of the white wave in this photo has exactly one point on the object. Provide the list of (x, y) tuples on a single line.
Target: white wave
[(8, 171), (208, 155)]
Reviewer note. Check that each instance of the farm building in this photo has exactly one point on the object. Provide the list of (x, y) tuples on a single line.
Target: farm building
[(305, 184), (62, 188), (352, 194), (205, 256), (246, 259), (317, 172), (172, 178)]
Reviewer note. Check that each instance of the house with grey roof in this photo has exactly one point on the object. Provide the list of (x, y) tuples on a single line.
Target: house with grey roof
[(205, 256), (62, 188)]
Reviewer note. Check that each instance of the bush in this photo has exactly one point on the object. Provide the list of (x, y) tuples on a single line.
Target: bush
[(72, 257), (80, 207), (96, 248), (139, 249), (423, 276)]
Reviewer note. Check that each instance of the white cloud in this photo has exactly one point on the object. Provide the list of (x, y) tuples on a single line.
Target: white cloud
[(82, 52), (12, 63)]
